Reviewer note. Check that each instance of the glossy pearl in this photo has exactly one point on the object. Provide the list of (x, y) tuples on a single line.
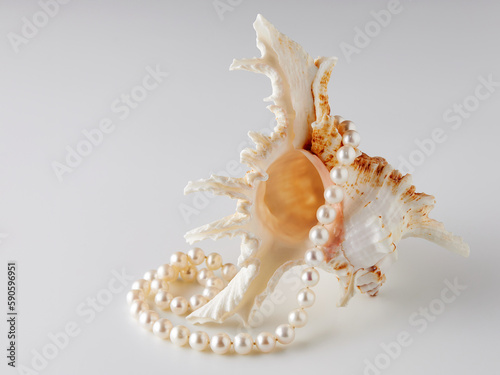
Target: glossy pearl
[(285, 334), (179, 260), (326, 214), (337, 120), (214, 261), (163, 299), (334, 194), (265, 342), (220, 343), (198, 340), (310, 277), (135, 294), (137, 307), (297, 318), (148, 318), (150, 275), (158, 284), (203, 275), (314, 257), (346, 155), (189, 273), (215, 282), (210, 292), (345, 126), (229, 271), (179, 335), (141, 284), (196, 256), (318, 235), (167, 272), (339, 175), (306, 297), (243, 343), (351, 138), (179, 305), (162, 328), (196, 301)]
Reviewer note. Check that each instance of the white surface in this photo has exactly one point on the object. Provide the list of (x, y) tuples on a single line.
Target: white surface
[(119, 209)]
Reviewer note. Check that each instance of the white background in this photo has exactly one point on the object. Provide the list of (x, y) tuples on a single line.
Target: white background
[(119, 209)]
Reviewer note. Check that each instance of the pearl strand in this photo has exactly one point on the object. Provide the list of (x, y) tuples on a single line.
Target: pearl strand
[(156, 282)]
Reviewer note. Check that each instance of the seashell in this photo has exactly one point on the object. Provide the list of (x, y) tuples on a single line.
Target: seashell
[(278, 197)]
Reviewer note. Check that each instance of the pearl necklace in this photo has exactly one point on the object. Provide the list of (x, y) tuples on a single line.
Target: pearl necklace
[(155, 283)]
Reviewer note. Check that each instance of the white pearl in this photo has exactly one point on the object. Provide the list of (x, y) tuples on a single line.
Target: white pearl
[(179, 335), (229, 271), (203, 275), (196, 256), (214, 261), (158, 284), (265, 342), (163, 299), (346, 125), (318, 235), (179, 305), (334, 194), (285, 333), (150, 275), (148, 318), (137, 307), (141, 284), (351, 138), (297, 318), (189, 273), (326, 214), (210, 292), (310, 277), (337, 120), (135, 294), (243, 343), (306, 297), (178, 260), (196, 301), (198, 340), (346, 155), (314, 257), (339, 175), (215, 282), (166, 272), (161, 328), (220, 343)]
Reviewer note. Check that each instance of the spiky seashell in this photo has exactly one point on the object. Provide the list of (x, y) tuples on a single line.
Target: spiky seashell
[(278, 197)]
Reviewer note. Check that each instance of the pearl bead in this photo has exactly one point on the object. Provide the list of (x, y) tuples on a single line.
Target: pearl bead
[(314, 257), (297, 318), (166, 272), (141, 284), (337, 120), (220, 343), (198, 340), (346, 155), (179, 260), (334, 194), (214, 261), (148, 318), (310, 277), (243, 343), (137, 307), (346, 125), (306, 297), (158, 284), (135, 294), (229, 271), (196, 256), (163, 299), (210, 292), (196, 301), (326, 214), (215, 282), (265, 342), (285, 334), (162, 328), (179, 335), (189, 273), (339, 175), (318, 235), (179, 305), (351, 138), (150, 275), (203, 275)]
